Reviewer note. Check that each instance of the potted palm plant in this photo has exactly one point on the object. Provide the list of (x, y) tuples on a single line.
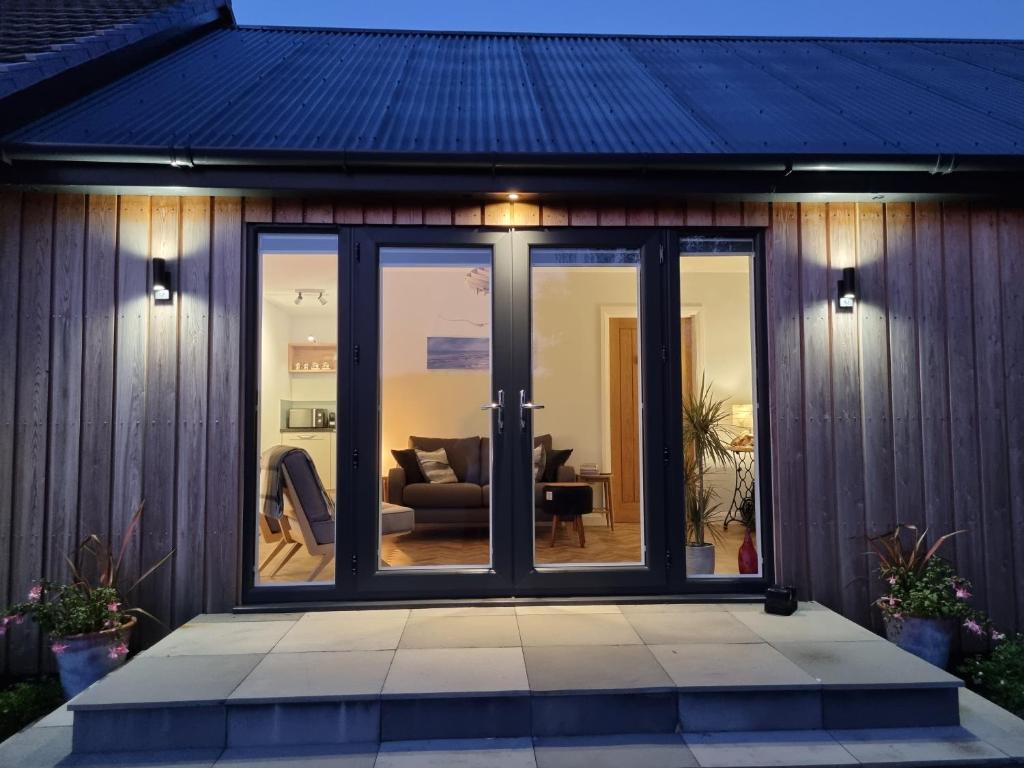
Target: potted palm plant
[(88, 619), (926, 601), (704, 446)]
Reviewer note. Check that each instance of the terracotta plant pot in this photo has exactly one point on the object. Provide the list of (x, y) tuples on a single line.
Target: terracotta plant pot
[(700, 560), (88, 658), (747, 556), (929, 639)]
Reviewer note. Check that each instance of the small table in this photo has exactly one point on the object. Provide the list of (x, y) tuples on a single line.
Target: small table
[(569, 505), (396, 519), (603, 479)]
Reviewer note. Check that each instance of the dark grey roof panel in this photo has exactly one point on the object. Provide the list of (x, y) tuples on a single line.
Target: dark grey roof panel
[(422, 93)]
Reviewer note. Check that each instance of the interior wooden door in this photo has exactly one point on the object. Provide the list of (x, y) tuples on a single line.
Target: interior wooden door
[(623, 389)]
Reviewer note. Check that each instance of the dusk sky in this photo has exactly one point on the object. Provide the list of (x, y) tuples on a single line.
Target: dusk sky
[(889, 18)]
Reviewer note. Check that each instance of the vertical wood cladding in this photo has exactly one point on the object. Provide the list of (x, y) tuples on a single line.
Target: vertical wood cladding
[(909, 409)]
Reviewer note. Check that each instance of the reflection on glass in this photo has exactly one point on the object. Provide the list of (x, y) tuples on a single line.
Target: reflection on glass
[(435, 373), (298, 383), (587, 484), (719, 426)]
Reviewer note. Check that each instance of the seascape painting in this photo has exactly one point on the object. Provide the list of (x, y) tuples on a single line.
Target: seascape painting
[(458, 353)]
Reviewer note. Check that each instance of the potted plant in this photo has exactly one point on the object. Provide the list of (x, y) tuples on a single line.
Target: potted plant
[(926, 601), (87, 620), (704, 446)]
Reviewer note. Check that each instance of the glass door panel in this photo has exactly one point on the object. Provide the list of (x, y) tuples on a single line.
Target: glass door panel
[(587, 408), (435, 386)]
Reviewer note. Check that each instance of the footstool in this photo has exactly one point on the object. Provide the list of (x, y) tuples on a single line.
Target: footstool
[(564, 501), (396, 519)]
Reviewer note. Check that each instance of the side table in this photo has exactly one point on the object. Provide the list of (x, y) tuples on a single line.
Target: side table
[(605, 481)]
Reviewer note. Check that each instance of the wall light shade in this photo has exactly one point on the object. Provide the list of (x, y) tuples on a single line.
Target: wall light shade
[(847, 290), (161, 280), (743, 417)]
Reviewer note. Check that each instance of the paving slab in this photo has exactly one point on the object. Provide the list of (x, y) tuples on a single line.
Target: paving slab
[(686, 608), (239, 618), (649, 750), (302, 723), (36, 747), (464, 610), (320, 756), (577, 629), (594, 668), (168, 681), (918, 746), (457, 753), (314, 676), (460, 632), (345, 631), (558, 610), (443, 672), (59, 717), (876, 664), (804, 625), (217, 638), (767, 748), (712, 667), (988, 721), (173, 758), (477, 717), (585, 714), (671, 628)]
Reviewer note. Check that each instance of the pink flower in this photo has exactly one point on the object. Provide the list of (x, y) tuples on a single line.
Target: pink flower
[(973, 626), (18, 618), (892, 581), (898, 616), (114, 607), (58, 647), (117, 651), (997, 635), (35, 594), (963, 593), (3, 628)]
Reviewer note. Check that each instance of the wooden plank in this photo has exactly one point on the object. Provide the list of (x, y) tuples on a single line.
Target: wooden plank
[(193, 386), (785, 363), (379, 214), (497, 214), (525, 214), (876, 404), (641, 217), (31, 416), (583, 217), (130, 351), (408, 214), (347, 213), (468, 216), (963, 402), (10, 267), (1011, 260), (437, 214), (903, 356), (98, 360), (554, 216), (756, 214), (259, 210), (671, 215), (992, 443), (728, 214), (318, 212), (931, 334), (846, 420), (223, 490), (287, 210), (817, 289), (611, 217), (161, 421), (65, 384), (699, 213)]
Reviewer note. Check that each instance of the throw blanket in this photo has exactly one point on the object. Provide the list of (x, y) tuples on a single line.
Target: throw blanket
[(271, 485)]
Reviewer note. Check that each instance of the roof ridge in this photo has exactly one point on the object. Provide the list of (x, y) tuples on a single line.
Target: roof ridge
[(622, 36)]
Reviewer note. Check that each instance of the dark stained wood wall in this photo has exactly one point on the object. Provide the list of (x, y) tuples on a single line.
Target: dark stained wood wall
[(909, 409)]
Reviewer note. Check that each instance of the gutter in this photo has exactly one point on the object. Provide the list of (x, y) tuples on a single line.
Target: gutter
[(187, 157)]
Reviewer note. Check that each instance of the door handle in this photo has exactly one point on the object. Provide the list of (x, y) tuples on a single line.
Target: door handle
[(525, 406), (498, 406)]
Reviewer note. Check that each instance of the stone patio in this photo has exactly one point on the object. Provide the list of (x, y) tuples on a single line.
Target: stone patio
[(533, 685)]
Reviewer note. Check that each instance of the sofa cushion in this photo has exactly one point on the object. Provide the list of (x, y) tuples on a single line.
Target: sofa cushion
[(406, 459), (554, 460), (463, 454), (432, 495), (435, 466)]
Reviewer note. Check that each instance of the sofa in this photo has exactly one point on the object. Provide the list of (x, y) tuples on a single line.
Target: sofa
[(466, 502)]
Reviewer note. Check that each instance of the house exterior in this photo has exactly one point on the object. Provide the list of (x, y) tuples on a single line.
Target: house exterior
[(156, 216)]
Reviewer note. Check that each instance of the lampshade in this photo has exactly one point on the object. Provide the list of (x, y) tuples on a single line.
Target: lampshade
[(743, 416)]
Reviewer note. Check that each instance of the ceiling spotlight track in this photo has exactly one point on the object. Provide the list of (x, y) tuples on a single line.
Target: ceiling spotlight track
[(321, 295)]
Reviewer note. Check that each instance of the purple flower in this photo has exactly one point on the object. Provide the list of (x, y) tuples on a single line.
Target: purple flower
[(114, 607), (892, 581), (18, 618), (972, 626), (963, 593), (35, 594), (117, 651), (997, 635), (58, 647)]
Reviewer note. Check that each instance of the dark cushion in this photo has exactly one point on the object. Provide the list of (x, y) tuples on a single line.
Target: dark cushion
[(555, 459), (406, 459), (463, 454), (309, 494), (429, 495)]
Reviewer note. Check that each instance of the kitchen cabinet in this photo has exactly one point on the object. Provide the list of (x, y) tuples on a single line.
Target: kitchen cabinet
[(321, 448)]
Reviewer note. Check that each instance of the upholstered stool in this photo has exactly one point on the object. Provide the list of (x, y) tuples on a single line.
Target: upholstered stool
[(565, 501)]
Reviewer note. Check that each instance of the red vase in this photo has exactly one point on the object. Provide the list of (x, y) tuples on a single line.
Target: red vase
[(747, 555)]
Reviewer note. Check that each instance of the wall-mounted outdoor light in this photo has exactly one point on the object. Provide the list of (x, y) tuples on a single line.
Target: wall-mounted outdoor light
[(847, 290), (161, 280)]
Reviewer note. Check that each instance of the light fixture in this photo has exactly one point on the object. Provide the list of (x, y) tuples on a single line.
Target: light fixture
[(321, 299), (847, 290), (311, 339), (161, 280), (513, 196), (298, 299), (743, 417)]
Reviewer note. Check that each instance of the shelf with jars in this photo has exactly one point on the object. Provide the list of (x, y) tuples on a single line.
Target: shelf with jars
[(312, 358)]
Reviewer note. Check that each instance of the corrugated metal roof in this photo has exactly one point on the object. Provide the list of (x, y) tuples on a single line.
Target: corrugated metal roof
[(429, 93)]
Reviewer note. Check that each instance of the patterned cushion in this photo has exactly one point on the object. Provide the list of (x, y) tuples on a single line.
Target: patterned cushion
[(435, 467), (539, 463)]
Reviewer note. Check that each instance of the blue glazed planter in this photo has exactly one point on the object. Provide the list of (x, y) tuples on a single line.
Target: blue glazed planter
[(87, 658), (929, 639)]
